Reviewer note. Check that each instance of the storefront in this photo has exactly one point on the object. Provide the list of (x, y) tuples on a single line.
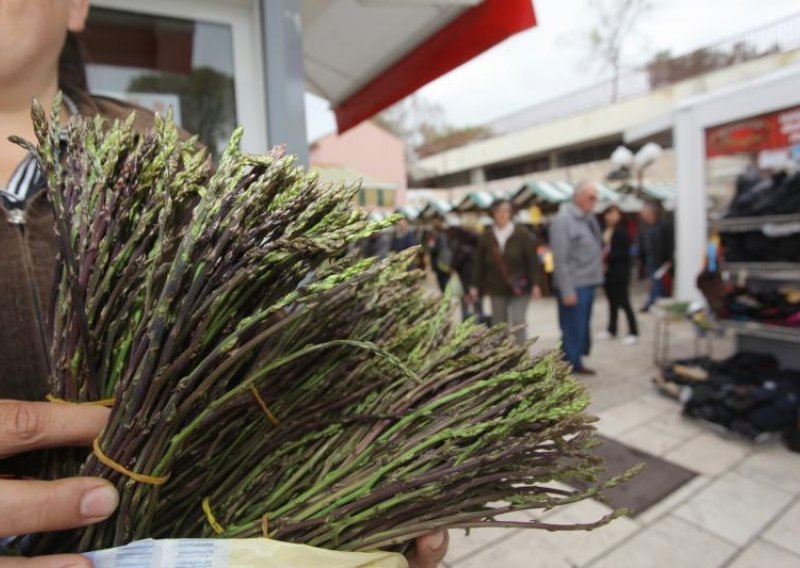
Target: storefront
[(707, 166), (219, 63)]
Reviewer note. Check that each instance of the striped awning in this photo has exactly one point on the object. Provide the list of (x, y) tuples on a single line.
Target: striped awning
[(478, 201), (408, 212), (539, 191), (661, 190), (435, 208)]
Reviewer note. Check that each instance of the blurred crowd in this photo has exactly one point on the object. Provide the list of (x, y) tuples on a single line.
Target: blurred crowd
[(496, 268)]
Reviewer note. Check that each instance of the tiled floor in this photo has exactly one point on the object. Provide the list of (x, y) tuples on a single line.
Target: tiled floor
[(741, 511)]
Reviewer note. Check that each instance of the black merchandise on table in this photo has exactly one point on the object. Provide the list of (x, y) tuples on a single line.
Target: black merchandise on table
[(748, 394)]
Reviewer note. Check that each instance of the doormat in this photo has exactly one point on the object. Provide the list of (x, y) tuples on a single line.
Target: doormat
[(658, 479)]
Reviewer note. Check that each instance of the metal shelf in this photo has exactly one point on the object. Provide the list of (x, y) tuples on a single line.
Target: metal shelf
[(755, 329), (750, 224), (785, 271)]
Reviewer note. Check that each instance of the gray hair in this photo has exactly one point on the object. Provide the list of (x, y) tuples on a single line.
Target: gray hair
[(583, 186)]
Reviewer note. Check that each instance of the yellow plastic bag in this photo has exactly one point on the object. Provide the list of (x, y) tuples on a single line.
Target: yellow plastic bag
[(238, 553)]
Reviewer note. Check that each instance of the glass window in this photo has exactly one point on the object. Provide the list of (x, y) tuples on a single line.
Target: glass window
[(158, 62)]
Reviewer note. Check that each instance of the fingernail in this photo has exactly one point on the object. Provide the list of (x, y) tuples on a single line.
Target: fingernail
[(436, 540), (99, 502)]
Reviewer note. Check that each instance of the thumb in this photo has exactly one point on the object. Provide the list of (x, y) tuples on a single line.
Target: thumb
[(56, 561), (430, 550)]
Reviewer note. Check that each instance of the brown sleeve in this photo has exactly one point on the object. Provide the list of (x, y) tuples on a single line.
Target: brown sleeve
[(536, 273)]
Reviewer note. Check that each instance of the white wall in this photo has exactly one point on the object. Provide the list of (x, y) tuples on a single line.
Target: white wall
[(595, 124)]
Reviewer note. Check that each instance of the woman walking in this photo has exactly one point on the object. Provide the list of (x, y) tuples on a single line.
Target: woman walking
[(507, 269), (617, 257)]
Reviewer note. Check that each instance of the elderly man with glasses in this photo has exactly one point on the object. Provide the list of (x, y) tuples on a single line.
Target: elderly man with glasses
[(576, 242)]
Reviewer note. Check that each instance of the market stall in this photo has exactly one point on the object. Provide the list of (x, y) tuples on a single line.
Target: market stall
[(258, 58), (738, 228)]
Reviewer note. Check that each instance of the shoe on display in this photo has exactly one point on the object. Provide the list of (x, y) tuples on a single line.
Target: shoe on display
[(630, 340), (603, 335)]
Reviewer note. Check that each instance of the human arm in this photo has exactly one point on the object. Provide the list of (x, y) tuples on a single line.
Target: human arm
[(31, 506), (559, 245)]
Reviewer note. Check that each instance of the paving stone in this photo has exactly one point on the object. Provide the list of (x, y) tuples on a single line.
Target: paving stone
[(775, 466), (620, 419), (765, 555), (708, 454), (785, 531), (652, 440), (734, 507), (669, 504), (669, 543), (524, 549)]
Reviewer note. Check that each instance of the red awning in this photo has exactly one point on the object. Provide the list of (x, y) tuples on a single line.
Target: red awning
[(471, 33)]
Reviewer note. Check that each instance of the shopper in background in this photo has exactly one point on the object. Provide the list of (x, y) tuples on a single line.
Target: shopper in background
[(618, 265), (377, 245), (507, 269), (546, 260), (657, 248), (464, 244), (403, 237), (439, 252), (577, 255)]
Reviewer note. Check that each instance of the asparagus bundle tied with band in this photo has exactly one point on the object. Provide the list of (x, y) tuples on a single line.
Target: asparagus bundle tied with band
[(264, 380)]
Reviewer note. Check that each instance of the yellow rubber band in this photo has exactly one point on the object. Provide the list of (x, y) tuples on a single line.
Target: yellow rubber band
[(107, 402), (140, 477), (264, 406), (212, 520)]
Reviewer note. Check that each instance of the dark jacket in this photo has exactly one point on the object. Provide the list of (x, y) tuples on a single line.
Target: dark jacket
[(618, 258), (520, 258), (27, 273), (657, 244)]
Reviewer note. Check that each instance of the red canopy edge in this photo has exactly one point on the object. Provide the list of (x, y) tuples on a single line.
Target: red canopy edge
[(473, 32)]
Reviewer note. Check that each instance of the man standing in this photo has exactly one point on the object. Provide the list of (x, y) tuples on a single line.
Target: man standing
[(576, 241), (657, 246)]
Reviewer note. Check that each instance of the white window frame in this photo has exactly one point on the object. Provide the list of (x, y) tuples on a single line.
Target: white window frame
[(243, 16)]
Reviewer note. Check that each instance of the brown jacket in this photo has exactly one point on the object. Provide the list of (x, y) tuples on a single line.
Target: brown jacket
[(28, 249), (520, 258)]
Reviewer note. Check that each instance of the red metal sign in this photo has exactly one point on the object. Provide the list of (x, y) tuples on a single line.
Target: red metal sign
[(772, 131)]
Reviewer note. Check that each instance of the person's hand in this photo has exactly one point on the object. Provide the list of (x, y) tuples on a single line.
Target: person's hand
[(430, 550), (40, 506), (473, 295), (536, 292), (570, 300)]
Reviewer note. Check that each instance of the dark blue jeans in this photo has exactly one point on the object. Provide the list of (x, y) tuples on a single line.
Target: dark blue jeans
[(656, 287), (575, 321)]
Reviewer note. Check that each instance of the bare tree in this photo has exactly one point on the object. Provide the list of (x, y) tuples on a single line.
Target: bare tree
[(423, 126), (615, 22)]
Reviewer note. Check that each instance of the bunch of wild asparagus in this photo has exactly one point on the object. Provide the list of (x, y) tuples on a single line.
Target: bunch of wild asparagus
[(266, 381)]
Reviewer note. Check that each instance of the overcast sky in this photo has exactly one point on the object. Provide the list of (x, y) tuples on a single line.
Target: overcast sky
[(542, 63)]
